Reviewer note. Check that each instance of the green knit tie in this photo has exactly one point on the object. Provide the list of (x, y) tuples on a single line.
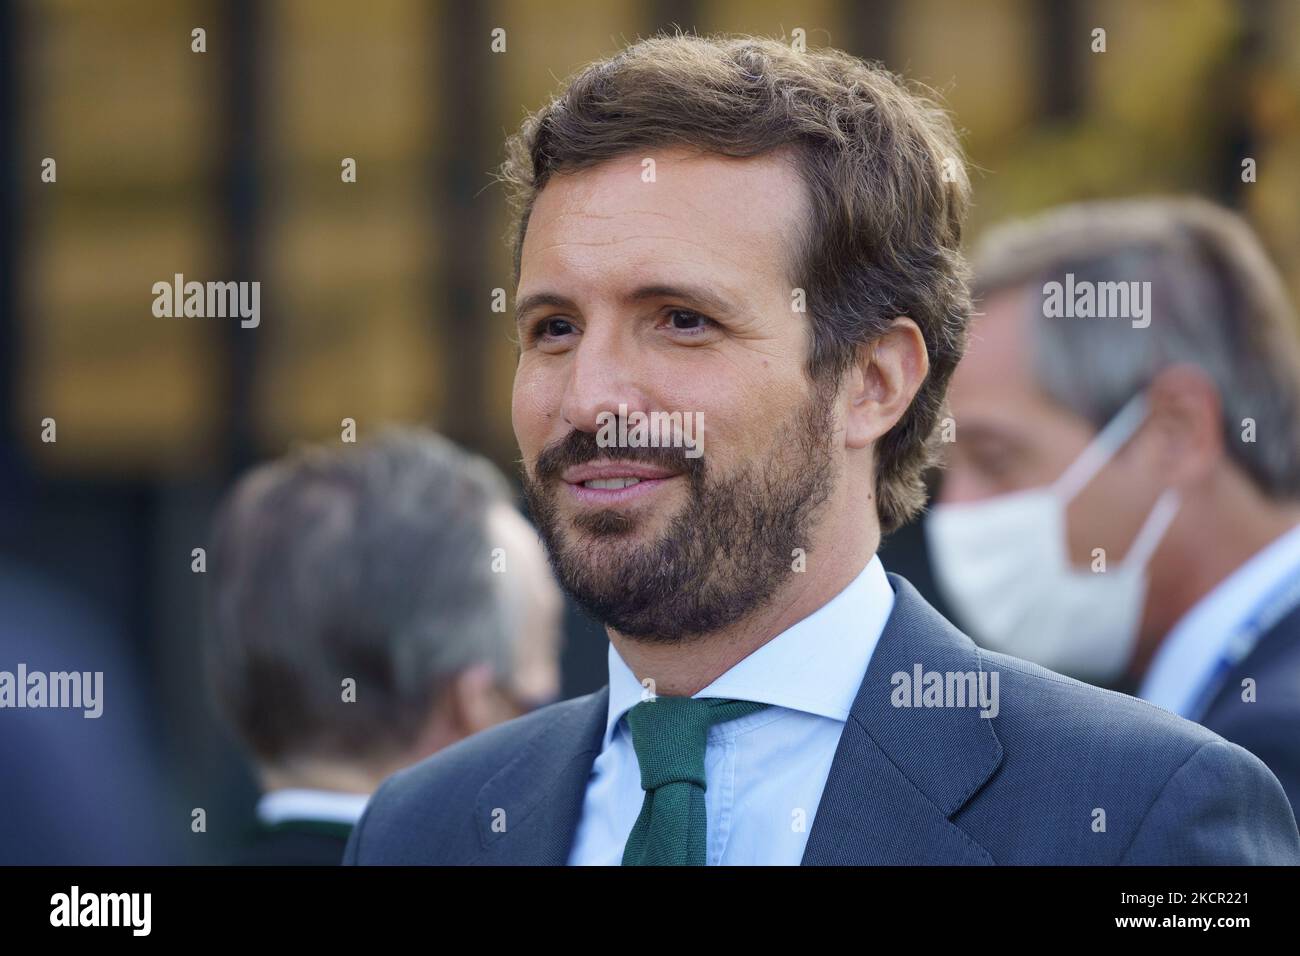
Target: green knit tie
[(669, 734)]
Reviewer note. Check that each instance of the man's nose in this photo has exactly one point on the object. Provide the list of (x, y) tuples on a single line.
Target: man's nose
[(605, 379)]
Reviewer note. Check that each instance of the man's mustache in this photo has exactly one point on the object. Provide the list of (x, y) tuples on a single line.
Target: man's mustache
[(580, 448)]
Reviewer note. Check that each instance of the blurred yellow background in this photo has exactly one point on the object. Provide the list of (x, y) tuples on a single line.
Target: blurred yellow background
[(376, 296)]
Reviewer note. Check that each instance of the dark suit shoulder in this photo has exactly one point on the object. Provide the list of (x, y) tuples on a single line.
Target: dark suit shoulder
[(428, 803), (1124, 780), (1048, 715), (1035, 700)]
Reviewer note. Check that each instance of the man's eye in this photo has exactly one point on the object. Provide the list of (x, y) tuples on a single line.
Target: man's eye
[(552, 328), (684, 320), (993, 463)]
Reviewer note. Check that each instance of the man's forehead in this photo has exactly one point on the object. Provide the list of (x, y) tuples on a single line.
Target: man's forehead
[(720, 213), (995, 384)]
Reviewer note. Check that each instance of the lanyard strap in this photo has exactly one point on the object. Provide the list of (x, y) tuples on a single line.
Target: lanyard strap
[(1277, 604)]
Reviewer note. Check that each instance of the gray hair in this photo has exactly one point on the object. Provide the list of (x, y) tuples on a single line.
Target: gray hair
[(1216, 302), (369, 562)]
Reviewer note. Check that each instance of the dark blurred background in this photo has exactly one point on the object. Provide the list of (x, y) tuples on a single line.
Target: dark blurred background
[(376, 296)]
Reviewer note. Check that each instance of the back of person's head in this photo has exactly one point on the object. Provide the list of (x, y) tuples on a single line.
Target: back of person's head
[(368, 563), (1216, 302)]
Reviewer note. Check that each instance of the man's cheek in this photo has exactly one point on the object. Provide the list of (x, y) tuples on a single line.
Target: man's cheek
[(529, 418)]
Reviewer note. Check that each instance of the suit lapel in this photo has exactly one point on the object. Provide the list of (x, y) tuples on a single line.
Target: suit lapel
[(536, 799), (900, 774)]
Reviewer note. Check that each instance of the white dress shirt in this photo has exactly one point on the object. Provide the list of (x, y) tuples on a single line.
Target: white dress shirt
[(1190, 655), (300, 804), (765, 772)]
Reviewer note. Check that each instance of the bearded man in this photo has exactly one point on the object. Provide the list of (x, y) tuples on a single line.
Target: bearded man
[(770, 239)]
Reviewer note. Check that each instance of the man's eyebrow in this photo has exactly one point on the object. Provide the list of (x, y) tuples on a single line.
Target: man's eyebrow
[(536, 300), (987, 433), (686, 293)]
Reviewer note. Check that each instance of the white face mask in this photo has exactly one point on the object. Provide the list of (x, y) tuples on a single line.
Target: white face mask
[(1003, 564)]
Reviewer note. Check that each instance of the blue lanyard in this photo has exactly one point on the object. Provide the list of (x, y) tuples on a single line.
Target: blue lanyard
[(1277, 604)]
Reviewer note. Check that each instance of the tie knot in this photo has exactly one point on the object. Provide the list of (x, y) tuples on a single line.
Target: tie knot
[(670, 735)]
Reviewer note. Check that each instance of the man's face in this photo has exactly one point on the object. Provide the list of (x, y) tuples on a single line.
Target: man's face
[(1012, 436), (672, 295)]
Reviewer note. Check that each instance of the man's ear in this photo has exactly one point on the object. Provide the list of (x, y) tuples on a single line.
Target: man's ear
[(469, 698), (1185, 419), (888, 372)]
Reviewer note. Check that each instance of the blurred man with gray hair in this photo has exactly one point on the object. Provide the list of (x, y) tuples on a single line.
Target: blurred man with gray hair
[(371, 604), (1122, 496)]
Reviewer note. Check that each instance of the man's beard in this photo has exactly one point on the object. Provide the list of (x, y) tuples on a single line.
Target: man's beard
[(722, 558)]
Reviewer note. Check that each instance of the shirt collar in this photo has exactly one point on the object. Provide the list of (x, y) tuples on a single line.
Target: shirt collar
[(301, 804), (815, 666), (1188, 655)]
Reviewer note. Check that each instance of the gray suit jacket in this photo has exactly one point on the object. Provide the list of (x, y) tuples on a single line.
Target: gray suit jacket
[(1065, 773)]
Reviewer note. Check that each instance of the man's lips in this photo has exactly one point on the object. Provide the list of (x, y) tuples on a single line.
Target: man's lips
[(609, 483), (602, 470)]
